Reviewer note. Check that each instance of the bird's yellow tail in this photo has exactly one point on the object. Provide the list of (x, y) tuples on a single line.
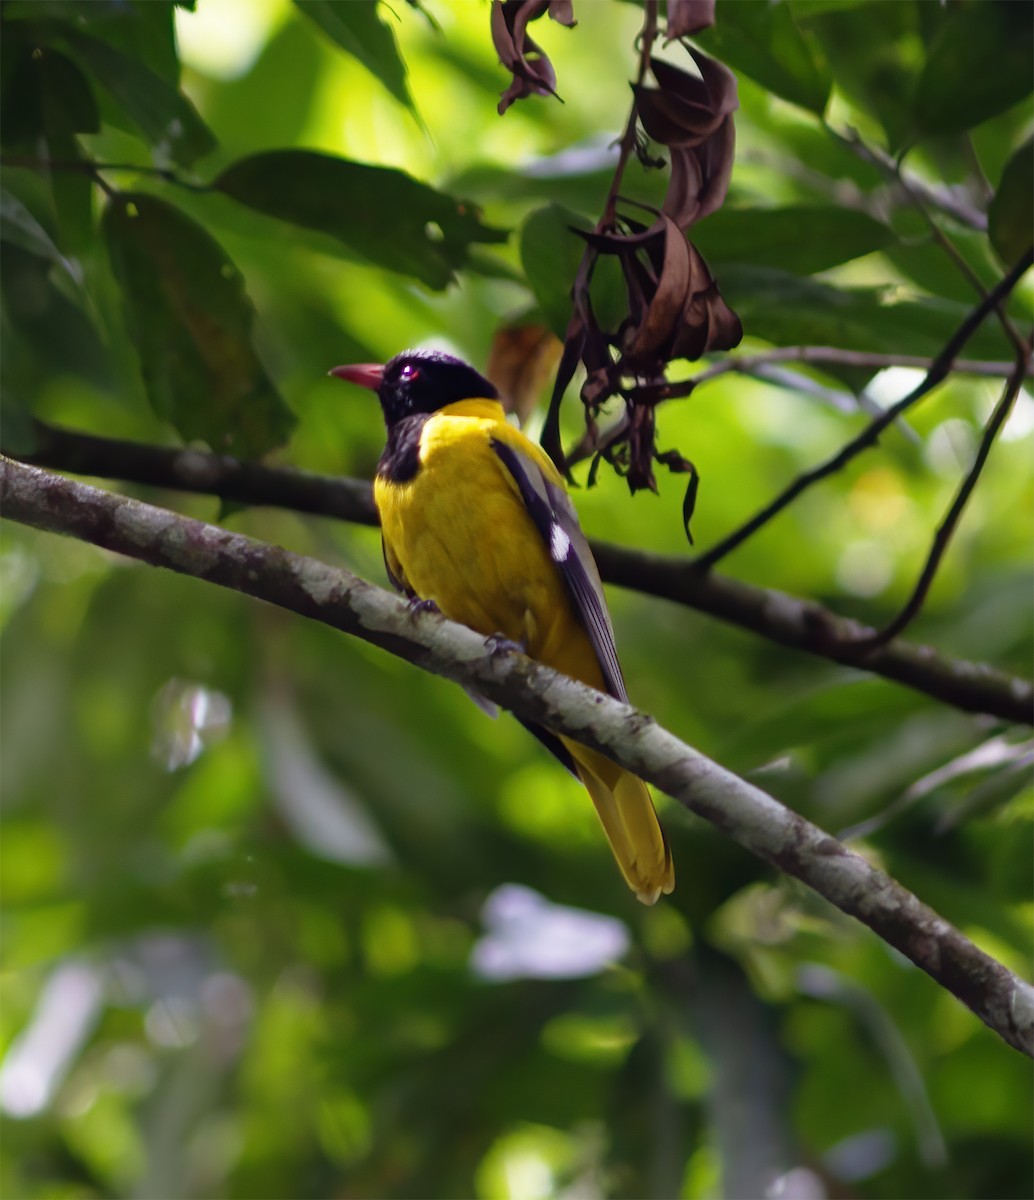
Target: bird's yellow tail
[(629, 821)]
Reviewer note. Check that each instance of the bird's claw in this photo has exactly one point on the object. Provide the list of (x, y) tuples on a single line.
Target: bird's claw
[(416, 605), (498, 644)]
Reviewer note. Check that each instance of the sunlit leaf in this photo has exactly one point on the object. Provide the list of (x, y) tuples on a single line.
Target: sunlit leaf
[(359, 28), (550, 254), (763, 41), (874, 62)]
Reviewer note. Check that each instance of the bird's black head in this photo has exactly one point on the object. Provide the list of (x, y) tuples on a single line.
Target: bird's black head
[(418, 381)]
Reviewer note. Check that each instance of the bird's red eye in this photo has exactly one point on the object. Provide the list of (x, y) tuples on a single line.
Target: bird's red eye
[(409, 373)]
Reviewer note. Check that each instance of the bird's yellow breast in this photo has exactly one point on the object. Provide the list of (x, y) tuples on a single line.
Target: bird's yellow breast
[(463, 538)]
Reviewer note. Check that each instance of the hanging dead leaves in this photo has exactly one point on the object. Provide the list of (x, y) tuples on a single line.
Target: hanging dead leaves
[(675, 309), (533, 73)]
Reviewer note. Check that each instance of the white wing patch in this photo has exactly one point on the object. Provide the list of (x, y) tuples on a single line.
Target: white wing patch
[(559, 544)]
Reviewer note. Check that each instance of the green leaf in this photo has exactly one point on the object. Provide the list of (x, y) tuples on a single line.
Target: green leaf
[(19, 227), (142, 30), (381, 215), (764, 41), (164, 116), (799, 239), (875, 56), (980, 63), (358, 29), (190, 319), (54, 336), (67, 101), (550, 254), (72, 193), (786, 310), (44, 93), (1010, 219)]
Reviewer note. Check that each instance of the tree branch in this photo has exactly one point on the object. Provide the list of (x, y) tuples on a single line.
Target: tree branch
[(811, 627), (868, 437), (954, 514), (336, 598), (747, 364), (202, 472), (947, 201), (787, 620)]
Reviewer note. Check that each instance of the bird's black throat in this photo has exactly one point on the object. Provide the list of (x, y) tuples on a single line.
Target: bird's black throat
[(401, 458)]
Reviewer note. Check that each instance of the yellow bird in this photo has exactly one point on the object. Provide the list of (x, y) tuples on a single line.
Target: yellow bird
[(475, 518)]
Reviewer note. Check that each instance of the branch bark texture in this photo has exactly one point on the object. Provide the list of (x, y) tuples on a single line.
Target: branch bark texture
[(792, 622), (341, 600)]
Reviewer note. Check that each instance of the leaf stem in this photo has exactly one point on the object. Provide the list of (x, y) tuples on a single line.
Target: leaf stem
[(86, 166)]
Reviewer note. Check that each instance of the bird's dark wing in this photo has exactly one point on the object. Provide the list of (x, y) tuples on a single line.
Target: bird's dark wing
[(394, 569), (556, 520), (553, 744)]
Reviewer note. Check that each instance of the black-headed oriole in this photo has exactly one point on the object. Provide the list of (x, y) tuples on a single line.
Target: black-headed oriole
[(475, 517)]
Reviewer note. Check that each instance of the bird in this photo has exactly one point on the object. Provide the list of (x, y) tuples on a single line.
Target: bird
[(476, 521)]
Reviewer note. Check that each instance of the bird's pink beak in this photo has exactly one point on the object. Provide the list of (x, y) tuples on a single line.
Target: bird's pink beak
[(367, 375)]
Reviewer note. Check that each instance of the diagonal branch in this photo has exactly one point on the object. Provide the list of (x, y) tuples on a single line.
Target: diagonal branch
[(954, 514), (869, 436), (948, 201), (763, 826), (789, 621), (811, 627)]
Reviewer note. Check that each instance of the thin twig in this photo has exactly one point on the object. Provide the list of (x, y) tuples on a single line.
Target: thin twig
[(780, 837), (939, 198), (951, 519), (86, 166), (786, 620), (628, 138), (756, 366), (745, 364), (938, 371), (1023, 353), (960, 262)]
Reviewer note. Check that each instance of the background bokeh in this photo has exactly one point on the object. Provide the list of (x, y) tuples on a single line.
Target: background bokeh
[(286, 917)]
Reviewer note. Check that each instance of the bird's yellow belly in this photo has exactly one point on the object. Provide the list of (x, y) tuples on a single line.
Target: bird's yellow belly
[(464, 539)]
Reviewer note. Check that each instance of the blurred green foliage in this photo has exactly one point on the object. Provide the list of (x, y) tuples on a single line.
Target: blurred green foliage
[(245, 861)]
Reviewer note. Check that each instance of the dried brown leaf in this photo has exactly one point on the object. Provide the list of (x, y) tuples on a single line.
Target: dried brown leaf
[(686, 17), (533, 73), (521, 361), (693, 116), (665, 311), (707, 321)]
